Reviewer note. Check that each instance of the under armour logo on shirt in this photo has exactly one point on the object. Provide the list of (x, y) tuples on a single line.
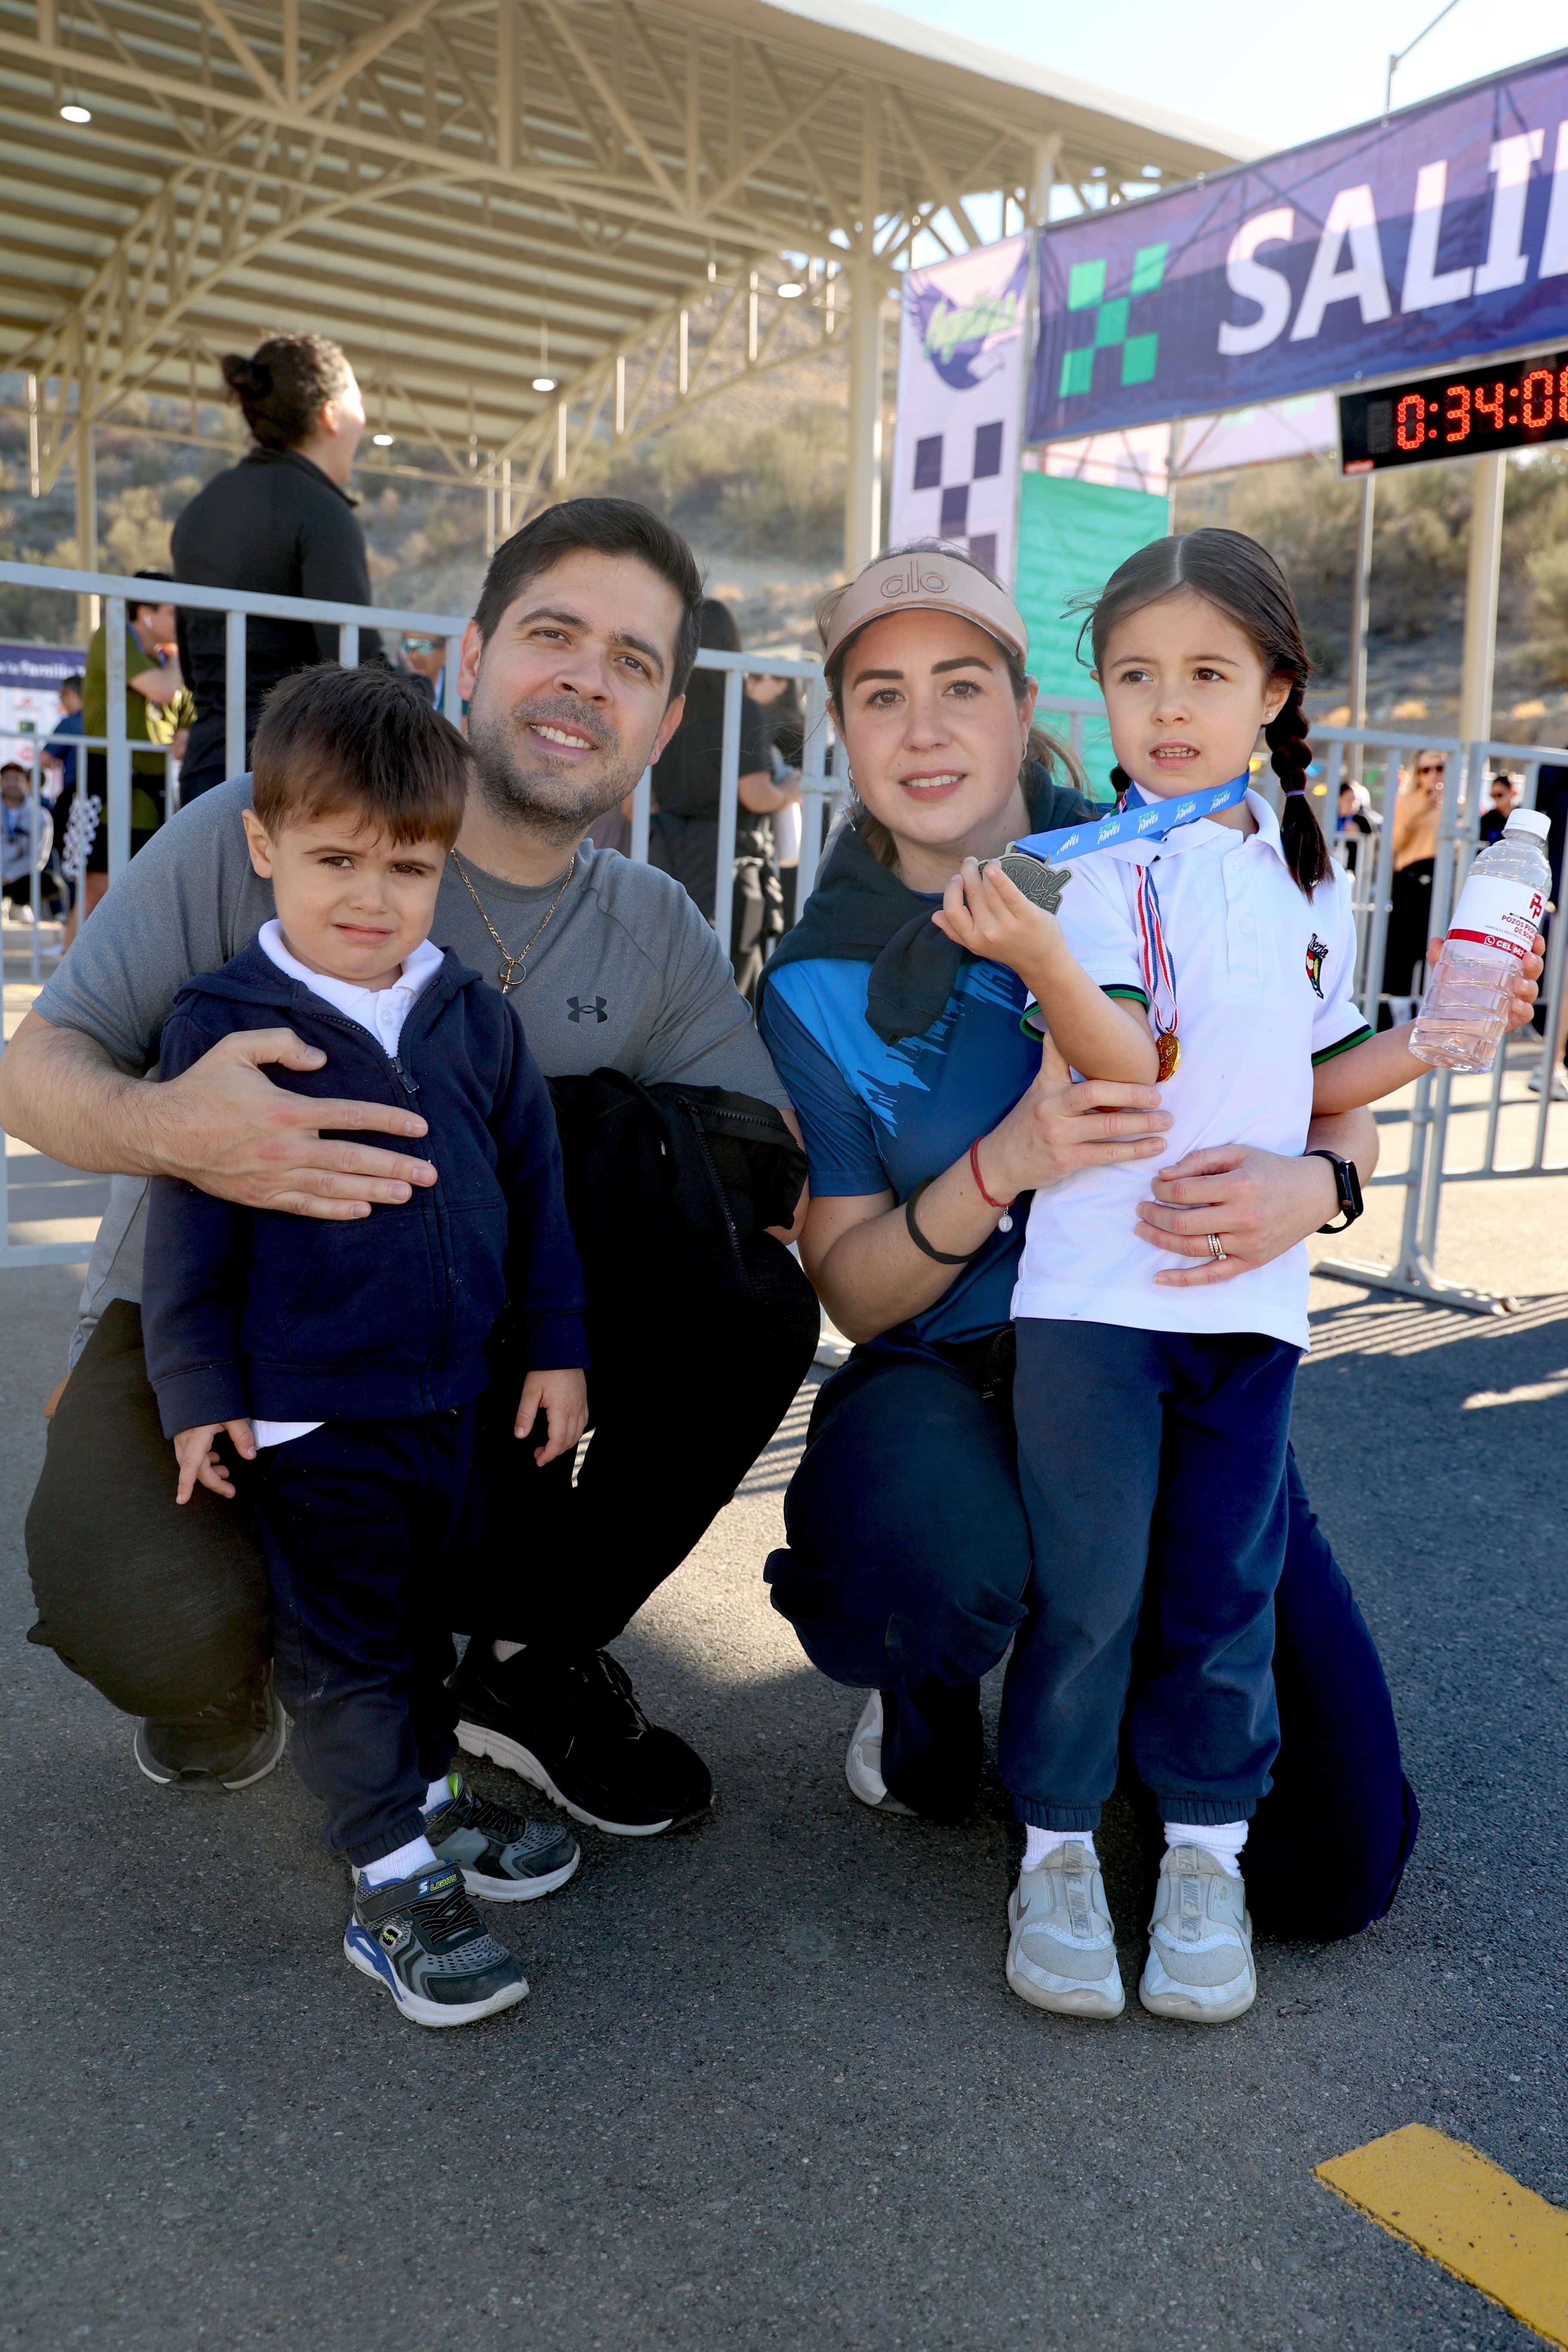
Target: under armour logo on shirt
[(595, 1010)]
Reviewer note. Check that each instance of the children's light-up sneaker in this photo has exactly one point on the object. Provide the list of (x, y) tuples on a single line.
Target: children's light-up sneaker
[(502, 1856), (422, 1941), (1061, 1955), (1199, 1970)]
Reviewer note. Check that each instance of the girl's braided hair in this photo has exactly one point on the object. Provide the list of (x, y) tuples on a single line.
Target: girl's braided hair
[(1232, 571)]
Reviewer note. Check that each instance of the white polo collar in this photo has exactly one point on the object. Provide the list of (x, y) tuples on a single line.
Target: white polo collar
[(383, 1019)]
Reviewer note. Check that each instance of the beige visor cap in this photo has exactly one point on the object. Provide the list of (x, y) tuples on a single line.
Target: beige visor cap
[(928, 580)]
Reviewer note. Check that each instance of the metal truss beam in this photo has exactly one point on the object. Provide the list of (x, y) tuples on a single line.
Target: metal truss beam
[(580, 165)]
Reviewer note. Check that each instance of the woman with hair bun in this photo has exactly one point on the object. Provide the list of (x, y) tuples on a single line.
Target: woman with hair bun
[(280, 523)]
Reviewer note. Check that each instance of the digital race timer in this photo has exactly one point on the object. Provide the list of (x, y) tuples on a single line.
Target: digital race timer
[(1507, 407)]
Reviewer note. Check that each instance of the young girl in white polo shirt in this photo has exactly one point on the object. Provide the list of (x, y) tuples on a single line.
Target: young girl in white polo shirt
[(1152, 1411)]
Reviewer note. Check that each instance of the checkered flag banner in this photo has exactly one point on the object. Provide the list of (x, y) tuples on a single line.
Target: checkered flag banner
[(961, 367)]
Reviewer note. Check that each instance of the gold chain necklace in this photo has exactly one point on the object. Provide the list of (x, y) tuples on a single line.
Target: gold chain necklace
[(513, 968)]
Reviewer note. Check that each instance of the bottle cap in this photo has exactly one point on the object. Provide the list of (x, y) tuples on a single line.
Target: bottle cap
[(1528, 821)]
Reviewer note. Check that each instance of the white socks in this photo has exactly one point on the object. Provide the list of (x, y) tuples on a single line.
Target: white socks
[(1039, 1845), (1223, 1839), (417, 1855)]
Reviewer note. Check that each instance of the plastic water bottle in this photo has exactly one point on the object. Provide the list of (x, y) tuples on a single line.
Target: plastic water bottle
[(1464, 1013)]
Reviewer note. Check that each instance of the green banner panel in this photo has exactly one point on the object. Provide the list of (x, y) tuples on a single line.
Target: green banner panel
[(1071, 537)]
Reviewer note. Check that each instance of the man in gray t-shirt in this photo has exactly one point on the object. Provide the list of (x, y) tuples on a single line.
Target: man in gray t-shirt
[(574, 670)]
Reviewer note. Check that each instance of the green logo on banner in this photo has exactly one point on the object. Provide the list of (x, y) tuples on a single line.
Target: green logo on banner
[(993, 314), (1085, 291)]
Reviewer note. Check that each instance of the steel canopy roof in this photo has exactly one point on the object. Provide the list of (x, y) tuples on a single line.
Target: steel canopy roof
[(470, 195)]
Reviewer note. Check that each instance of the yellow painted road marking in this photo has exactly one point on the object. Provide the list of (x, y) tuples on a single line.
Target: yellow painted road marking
[(1459, 2206)]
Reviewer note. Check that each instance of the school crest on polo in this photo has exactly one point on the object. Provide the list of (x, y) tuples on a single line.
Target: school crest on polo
[(1317, 955)]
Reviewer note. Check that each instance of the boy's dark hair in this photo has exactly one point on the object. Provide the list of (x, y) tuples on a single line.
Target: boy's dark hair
[(134, 604), (285, 383), (604, 527), (365, 741), (1243, 579), (75, 684)]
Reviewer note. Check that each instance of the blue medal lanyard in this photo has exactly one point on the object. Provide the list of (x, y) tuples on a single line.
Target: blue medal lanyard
[(1143, 821)]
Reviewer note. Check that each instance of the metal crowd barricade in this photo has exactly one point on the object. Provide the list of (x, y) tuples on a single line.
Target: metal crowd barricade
[(818, 786), (1436, 1116), (819, 783)]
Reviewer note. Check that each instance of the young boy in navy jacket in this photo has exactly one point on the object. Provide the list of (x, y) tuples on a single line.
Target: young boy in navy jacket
[(344, 1358)]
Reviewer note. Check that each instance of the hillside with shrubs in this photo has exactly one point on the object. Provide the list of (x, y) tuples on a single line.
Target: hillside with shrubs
[(756, 481)]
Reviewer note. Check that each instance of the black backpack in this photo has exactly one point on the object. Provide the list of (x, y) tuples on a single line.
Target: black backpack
[(670, 1189)]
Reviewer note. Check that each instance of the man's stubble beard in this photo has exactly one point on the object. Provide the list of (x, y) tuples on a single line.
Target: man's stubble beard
[(542, 801)]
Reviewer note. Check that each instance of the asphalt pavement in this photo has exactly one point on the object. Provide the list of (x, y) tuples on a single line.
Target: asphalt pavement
[(769, 2088)]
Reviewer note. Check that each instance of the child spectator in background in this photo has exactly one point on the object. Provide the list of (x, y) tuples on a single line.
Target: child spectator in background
[(344, 1358)]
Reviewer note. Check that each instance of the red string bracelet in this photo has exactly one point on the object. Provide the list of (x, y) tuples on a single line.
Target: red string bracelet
[(1006, 1224)]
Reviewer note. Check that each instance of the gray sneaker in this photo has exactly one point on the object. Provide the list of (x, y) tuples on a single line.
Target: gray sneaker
[(863, 1764), (1199, 1968), (1061, 1954), (232, 1744), (503, 1857), (421, 1939)]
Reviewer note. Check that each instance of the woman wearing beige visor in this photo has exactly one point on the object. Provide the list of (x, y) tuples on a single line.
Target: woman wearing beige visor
[(929, 1119)]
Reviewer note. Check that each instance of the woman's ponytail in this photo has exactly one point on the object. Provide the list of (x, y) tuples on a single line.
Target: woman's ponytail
[(1300, 835)]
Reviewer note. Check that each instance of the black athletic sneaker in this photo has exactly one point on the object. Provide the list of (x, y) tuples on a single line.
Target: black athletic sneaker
[(228, 1745), (573, 1729), (423, 1940), (501, 1855)]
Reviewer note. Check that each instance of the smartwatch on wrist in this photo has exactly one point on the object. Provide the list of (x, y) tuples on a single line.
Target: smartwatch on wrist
[(1348, 1182)]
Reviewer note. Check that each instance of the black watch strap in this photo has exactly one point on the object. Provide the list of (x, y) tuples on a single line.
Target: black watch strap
[(1347, 1180)]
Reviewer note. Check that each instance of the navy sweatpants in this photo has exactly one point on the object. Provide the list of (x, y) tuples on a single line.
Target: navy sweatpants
[(354, 1522), (1162, 1499), (907, 1567)]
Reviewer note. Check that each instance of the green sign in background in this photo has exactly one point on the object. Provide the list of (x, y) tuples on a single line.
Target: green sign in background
[(1071, 537)]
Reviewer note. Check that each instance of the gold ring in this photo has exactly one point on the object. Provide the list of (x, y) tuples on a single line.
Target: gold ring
[(1216, 1248)]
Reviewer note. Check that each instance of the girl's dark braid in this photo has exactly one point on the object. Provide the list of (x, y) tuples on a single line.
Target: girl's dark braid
[(1121, 782), (1300, 835)]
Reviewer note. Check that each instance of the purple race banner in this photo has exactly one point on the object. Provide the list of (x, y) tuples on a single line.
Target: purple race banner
[(1438, 236)]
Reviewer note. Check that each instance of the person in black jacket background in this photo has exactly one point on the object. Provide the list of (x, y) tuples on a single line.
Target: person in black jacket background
[(280, 523), (683, 838), (345, 1375)]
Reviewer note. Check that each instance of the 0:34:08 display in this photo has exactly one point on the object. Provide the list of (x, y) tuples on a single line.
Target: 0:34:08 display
[(1535, 400)]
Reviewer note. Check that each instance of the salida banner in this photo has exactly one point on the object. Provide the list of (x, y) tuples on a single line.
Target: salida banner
[(1438, 236), (961, 397)]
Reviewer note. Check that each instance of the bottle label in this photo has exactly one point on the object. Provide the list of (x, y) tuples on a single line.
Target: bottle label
[(1503, 915)]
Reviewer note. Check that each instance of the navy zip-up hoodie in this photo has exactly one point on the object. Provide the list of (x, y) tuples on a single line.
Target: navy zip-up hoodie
[(251, 1311)]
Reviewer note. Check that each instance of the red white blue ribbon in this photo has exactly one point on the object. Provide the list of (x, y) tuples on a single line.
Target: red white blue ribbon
[(1159, 971)]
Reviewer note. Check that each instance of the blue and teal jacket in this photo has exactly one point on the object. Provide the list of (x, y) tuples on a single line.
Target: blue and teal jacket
[(897, 1049)]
